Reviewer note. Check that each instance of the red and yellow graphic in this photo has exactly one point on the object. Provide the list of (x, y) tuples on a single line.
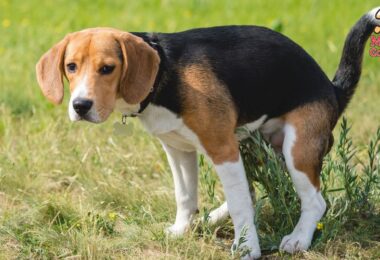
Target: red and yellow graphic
[(377, 16)]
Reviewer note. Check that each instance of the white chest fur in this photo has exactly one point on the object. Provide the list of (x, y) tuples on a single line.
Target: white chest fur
[(165, 125), (158, 120), (169, 128)]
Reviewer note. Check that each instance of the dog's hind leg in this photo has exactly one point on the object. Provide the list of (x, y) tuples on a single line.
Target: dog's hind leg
[(307, 135), (221, 213)]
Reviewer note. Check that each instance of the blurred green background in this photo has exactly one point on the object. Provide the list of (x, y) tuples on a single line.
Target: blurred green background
[(29, 28)]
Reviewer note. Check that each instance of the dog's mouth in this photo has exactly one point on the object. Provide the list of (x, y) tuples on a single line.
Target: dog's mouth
[(94, 116), (83, 109), (87, 118), (91, 116), (90, 119)]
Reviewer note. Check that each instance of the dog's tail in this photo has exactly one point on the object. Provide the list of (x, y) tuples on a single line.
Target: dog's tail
[(348, 74)]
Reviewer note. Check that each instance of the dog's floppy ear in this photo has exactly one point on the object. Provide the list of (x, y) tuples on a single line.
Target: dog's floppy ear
[(140, 67), (49, 70)]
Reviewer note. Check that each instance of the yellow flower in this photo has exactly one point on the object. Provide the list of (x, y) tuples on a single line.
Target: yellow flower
[(78, 225), (6, 23), (320, 226), (112, 216)]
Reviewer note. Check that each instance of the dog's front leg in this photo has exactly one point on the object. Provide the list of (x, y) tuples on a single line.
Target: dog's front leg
[(184, 168), (235, 185)]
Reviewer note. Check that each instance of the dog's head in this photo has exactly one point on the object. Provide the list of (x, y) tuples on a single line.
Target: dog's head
[(101, 65)]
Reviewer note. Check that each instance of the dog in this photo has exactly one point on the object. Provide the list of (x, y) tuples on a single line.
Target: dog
[(193, 89)]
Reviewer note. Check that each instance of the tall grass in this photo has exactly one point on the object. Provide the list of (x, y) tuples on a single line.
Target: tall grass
[(350, 183)]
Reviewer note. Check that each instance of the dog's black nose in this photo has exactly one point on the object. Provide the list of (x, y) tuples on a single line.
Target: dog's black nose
[(82, 105)]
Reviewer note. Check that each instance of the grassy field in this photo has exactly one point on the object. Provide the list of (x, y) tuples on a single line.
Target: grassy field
[(78, 191)]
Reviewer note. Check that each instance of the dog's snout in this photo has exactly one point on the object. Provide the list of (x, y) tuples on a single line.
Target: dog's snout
[(82, 105)]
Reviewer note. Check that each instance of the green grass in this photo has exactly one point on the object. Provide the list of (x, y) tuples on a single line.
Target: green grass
[(78, 190)]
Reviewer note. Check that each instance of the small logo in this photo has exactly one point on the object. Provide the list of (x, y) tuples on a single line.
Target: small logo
[(374, 51), (377, 16)]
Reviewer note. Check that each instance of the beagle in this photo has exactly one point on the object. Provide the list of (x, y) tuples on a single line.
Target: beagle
[(193, 89)]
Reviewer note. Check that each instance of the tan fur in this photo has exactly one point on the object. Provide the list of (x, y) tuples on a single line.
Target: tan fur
[(141, 64), (90, 52), (210, 112), (49, 70), (313, 131), (91, 49)]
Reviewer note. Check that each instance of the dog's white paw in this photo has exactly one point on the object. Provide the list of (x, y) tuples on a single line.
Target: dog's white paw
[(295, 242), (177, 230), (246, 252), (252, 255), (218, 214), (249, 249)]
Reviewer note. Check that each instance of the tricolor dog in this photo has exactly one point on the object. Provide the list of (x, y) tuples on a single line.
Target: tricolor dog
[(193, 89)]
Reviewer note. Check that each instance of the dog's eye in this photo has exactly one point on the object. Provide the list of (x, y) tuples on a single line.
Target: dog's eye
[(106, 69), (71, 67)]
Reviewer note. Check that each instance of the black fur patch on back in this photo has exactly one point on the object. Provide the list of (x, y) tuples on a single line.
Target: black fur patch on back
[(264, 71)]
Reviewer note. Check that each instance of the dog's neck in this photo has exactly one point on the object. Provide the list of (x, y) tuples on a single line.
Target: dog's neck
[(166, 86), (153, 41), (125, 108)]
